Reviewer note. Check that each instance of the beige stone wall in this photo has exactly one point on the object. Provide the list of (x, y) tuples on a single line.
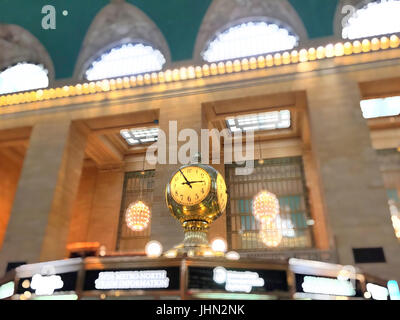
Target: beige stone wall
[(9, 176), (104, 214), (83, 205), (349, 182)]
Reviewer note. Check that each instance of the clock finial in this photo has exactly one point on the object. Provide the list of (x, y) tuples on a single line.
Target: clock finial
[(196, 158)]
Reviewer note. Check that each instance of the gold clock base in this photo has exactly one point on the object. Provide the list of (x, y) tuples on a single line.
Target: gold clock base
[(194, 244)]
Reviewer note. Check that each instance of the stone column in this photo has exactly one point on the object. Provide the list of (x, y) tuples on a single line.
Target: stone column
[(39, 222), (352, 184), (321, 232)]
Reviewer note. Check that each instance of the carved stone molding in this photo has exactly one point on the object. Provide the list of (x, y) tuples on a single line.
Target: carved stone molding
[(223, 14), (118, 23)]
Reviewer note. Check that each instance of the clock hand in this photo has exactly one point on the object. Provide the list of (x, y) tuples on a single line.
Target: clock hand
[(192, 182), (187, 181)]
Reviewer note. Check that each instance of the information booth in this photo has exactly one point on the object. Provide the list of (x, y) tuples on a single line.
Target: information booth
[(189, 278)]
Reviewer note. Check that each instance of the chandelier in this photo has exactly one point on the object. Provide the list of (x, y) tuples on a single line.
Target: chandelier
[(137, 216), (270, 234), (265, 206), (266, 210)]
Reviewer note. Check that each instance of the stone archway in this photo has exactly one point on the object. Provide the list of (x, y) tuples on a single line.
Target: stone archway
[(118, 23), (223, 13)]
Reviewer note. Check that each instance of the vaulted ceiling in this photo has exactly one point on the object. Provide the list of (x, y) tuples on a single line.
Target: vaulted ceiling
[(178, 20)]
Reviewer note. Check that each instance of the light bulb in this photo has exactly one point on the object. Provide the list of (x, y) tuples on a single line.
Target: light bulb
[(219, 245), (153, 249)]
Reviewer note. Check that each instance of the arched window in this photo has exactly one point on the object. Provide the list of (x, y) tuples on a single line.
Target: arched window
[(23, 76), (249, 39), (375, 18), (124, 60)]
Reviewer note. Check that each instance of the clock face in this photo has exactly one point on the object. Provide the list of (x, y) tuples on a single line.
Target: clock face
[(221, 193), (190, 186)]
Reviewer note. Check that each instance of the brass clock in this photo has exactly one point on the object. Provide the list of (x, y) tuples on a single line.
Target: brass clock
[(196, 196)]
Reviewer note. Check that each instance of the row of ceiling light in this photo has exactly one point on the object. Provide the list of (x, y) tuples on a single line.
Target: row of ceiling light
[(207, 70)]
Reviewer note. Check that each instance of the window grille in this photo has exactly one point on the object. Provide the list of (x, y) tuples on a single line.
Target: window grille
[(285, 178), (22, 77), (382, 107), (125, 60), (374, 18), (249, 39), (260, 121), (135, 184)]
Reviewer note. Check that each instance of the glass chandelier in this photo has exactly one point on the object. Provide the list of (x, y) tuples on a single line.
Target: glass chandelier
[(265, 206), (266, 210), (270, 234), (137, 216)]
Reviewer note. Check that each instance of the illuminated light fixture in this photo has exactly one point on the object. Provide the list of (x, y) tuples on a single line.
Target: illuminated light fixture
[(394, 41), (232, 255), (26, 284), (322, 52), (261, 121), (140, 136), (270, 234), (190, 253), (265, 206), (219, 245), (171, 254), (23, 76), (310, 222), (208, 253), (102, 251), (137, 216), (153, 249), (127, 59), (382, 107), (249, 39), (375, 18)]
